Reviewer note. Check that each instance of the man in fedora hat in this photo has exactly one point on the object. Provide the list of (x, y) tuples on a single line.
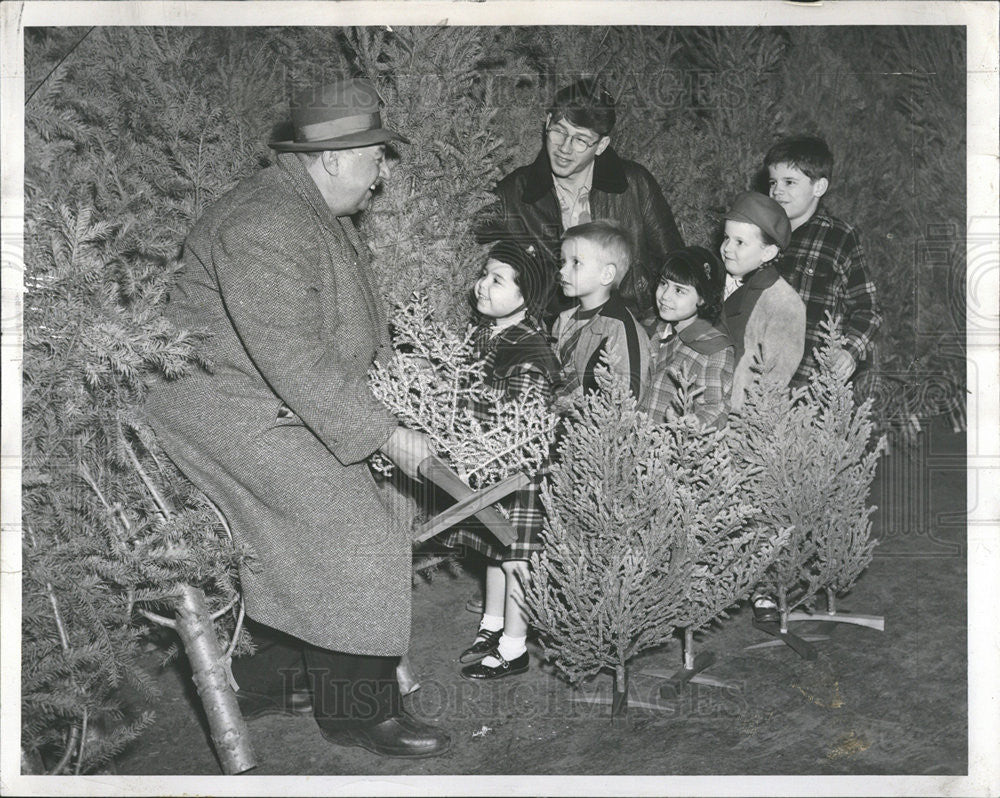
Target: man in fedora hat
[(278, 431)]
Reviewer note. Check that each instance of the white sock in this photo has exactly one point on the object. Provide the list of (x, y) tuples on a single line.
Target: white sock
[(510, 648), (491, 623)]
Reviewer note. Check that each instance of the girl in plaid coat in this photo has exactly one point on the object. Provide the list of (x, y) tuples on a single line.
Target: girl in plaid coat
[(686, 339), (510, 294)]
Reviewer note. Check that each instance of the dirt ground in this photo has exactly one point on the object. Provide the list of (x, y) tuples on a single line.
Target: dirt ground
[(891, 702)]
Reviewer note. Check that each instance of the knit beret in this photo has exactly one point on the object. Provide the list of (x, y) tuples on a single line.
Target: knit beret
[(764, 212), (534, 279)]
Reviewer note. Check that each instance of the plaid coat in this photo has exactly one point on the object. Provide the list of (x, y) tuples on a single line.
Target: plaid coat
[(517, 359), (703, 352), (278, 432)]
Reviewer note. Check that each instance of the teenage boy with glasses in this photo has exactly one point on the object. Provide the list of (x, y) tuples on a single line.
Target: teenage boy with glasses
[(576, 178)]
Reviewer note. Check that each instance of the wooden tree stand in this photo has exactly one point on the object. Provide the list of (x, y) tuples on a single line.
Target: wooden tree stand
[(622, 698), (690, 672), (876, 622), (803, 645), (478, 503)]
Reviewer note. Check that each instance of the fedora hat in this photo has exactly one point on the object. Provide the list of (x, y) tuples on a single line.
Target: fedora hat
[(336, 116)]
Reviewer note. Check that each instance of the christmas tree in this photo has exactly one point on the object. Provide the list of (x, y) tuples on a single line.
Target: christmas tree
[(432, 383), (727, 550), (113, 536), (844, 433), (646, 533), (808, 457), (116, 543)]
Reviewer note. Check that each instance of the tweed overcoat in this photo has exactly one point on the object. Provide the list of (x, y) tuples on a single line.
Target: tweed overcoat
[(277, 433)]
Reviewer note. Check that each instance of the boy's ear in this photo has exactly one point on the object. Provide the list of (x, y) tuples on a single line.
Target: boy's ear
[(820, 187), (770, 252), (602, 145), (608, 274)]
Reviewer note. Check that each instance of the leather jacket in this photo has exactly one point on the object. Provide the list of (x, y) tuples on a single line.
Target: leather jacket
[(527, 211)]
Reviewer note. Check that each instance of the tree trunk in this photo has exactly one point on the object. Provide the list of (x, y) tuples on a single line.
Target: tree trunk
[(688, 649), (228, 729), (783, 609), (831, 602), (619, 695)]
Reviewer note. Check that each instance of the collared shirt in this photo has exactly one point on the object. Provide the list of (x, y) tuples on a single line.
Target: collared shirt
[(700, 353), (574, 203), (825, 263), (732, 283)]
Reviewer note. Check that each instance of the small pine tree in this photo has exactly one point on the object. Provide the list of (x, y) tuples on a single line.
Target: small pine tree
[(647, 532), (729, 552), (807, 457), (843, 431), (104, 547), (431, 384), (607, 584)]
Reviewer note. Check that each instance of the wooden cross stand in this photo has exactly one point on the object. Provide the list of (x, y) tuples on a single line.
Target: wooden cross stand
[(478, 503)]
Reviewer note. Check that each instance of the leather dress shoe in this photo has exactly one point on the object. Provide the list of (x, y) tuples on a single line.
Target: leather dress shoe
[(401, 735), (486, 641), (482, 672), (260, 705)]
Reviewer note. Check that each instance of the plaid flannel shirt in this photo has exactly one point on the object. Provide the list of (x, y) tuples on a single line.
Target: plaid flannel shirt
[(677, 354), (825, 263)]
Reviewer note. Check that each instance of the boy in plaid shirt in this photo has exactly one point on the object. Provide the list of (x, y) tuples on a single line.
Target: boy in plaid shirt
[(824, 261), (686, 340)]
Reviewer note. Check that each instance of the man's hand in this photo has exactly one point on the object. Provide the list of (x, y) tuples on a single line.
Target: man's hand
[(407, 449), (843, 364)]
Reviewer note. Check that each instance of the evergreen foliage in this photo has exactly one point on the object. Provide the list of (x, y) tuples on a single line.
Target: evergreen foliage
[(102, 217), (435, 384), (727, 550), (130, 137), (648, 530), (808, 458)]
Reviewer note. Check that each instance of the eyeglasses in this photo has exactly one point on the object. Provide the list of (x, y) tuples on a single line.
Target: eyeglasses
[(558, 136)]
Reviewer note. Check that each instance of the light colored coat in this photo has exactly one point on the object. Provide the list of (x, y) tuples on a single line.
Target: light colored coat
[(285, 289), (765, 316)]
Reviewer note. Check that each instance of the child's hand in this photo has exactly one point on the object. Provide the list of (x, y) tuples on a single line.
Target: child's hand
[(843, 364)]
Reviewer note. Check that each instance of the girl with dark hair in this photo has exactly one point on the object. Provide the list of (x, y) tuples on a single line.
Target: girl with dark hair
[(510, 296), (686, 343)]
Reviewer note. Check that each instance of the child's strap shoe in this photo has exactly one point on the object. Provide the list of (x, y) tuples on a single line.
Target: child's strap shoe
[(481, 672), (486, 641)]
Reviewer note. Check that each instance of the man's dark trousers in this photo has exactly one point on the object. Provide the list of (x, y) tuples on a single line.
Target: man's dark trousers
[(347, 689)]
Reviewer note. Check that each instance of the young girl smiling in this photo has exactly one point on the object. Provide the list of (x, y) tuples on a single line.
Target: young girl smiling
[(511, 294), (687, 341)]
